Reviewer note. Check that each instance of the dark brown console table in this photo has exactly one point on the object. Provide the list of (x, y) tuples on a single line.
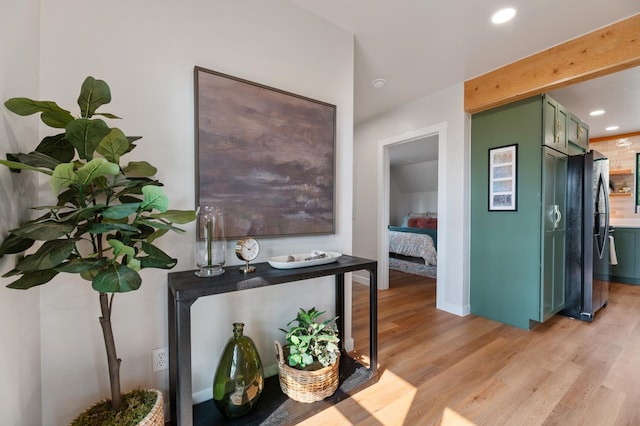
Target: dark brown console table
[(273, 407)]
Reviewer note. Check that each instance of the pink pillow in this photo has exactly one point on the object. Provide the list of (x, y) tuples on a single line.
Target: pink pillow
[(422, 222), (431, 223), (413, 222)]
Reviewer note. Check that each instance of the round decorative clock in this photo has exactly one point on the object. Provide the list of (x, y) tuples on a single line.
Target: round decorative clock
[(247, 249)]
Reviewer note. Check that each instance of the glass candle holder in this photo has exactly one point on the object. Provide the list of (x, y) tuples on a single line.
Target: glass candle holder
[(211, 244)]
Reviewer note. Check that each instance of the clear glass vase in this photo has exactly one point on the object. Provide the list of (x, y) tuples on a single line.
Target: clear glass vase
[(211, 244), (239, 378)]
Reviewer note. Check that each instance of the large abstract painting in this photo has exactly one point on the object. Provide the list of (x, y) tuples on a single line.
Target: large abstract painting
[(266, 157)]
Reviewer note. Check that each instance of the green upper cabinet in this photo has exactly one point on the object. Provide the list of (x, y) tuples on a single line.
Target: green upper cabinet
[(577, 135), (518, 257), (555, 119)]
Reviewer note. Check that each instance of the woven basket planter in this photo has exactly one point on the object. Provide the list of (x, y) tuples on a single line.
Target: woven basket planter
[(306, 385), (155, 417)]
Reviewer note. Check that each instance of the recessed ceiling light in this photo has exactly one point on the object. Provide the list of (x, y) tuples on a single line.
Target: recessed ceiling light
[(612, 128), (379, 82), (503, 15), (596, 112)]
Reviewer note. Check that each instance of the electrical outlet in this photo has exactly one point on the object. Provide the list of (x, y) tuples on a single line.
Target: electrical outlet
[(160, 359)]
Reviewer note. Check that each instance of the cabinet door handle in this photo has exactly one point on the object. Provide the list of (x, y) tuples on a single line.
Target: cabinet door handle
[(556, 210), (558, 130)]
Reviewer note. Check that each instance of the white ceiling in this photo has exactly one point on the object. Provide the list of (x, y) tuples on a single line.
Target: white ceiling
[(422, 46), (419, 151), (618, 94)]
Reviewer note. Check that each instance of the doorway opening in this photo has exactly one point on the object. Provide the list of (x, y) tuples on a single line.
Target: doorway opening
[(430, 133)]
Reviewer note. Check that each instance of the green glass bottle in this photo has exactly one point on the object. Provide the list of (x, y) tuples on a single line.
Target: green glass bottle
[(239, 378)]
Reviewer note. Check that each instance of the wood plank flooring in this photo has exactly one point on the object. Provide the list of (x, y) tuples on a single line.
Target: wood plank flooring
[(440, 369)]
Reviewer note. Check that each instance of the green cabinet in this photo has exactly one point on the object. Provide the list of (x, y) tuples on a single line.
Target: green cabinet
[(517, 265), (555, 119), (554, 187), (577, 134), (627, 244)]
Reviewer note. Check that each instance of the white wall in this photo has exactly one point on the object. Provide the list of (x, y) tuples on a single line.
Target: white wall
[(20, 387), (146, 51), (445, 106), (413, 188)]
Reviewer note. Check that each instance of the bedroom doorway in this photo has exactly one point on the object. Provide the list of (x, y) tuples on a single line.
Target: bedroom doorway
[(404, 142)]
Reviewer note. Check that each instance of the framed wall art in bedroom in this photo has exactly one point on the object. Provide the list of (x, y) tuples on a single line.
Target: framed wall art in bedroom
[(266, 157)]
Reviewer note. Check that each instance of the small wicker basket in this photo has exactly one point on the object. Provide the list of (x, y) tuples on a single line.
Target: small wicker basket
[(303, 385)]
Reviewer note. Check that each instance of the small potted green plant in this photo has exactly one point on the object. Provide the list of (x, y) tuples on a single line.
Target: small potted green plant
[(312, 357), (106, 219)]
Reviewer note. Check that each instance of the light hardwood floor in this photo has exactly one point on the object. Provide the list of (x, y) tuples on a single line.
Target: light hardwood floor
[(440, 369)]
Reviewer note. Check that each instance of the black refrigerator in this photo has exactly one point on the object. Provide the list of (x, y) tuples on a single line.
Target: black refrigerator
[(588, 232)]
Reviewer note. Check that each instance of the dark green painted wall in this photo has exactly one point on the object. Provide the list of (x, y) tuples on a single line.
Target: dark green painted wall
[(505, 246)]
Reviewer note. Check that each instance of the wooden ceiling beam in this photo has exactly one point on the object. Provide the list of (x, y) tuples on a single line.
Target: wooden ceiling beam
[(612, 137), (610, 49)]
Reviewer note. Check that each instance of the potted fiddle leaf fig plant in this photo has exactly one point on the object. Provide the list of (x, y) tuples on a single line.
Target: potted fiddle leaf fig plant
[(310, 372), (108, 213)]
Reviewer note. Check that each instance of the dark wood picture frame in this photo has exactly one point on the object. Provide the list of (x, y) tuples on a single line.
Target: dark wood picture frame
[(503, 178), (264, 156)]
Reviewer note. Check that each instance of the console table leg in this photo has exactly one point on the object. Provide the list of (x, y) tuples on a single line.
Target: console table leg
[(181, 404), (340, 306), (373, 320)]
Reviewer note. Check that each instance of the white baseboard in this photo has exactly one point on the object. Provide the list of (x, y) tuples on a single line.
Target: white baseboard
[(360, 279), (202, 396)]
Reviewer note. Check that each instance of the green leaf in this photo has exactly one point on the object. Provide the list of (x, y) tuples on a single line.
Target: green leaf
[(57, 147), (176, 216), (113, 145), (120, 211), (89, 275), (12, 273), (43, 231), (154, 198), (155, 235), (139, 169), (157, 258), (159, 225), (78, 265), (117, 279), (105, 227), (25, 106), (37, 159), (17, 165), (50, 255), (84, 214), (134, 264), (15, 244), (85, 135), (120, 249), (52, 115), (63, 177), (96, 168), (93, 94), (107, 114), (32, 279)]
